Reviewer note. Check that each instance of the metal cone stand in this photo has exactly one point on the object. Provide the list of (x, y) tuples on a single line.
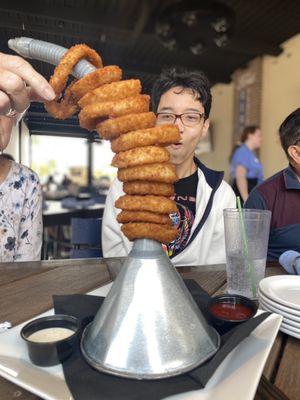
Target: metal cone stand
[(149, 326)]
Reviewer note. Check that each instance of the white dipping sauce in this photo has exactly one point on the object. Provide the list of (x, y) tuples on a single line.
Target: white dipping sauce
[(50, 335)]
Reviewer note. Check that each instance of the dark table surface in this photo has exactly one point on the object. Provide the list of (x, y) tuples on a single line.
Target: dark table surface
[(26, 290)]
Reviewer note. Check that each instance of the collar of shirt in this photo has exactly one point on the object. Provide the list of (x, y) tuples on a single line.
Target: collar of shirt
[(291, 179)]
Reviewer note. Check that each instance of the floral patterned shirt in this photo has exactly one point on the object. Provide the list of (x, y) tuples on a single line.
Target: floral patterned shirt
[(21, 226)]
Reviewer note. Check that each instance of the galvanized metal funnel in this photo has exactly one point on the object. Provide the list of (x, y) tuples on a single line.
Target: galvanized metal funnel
[(149, 326)]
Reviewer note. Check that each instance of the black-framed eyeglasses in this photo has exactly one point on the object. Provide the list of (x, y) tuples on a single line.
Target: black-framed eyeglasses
[(188, 118)]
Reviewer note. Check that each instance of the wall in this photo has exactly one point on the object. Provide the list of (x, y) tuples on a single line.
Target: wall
[(221, 128), (280, 96)]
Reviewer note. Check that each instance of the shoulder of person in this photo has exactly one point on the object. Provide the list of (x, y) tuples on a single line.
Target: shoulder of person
[(225, 190), (26, 173)]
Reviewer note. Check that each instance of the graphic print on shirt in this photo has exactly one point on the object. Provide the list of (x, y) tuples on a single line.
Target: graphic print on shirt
[(185, 199), (183, 221)]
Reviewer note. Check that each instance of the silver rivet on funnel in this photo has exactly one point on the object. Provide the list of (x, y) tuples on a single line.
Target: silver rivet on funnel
[(149, 326)]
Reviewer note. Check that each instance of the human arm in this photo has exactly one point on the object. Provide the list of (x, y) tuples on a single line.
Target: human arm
[(241, 181), (30, 236), (224, 198), (114, 243)]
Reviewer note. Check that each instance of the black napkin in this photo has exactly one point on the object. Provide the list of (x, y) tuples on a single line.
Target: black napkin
[(85, 382)]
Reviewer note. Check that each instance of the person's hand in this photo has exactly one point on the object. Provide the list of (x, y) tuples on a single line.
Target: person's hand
[(20, 84)]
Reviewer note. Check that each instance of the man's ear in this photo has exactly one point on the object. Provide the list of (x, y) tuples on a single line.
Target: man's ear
[(205, 128), (294, 153)]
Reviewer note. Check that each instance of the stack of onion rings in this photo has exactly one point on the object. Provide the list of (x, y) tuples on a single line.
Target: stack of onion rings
[(118, 111)]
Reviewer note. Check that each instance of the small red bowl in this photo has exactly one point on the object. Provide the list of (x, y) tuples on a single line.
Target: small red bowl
[(227, 311)]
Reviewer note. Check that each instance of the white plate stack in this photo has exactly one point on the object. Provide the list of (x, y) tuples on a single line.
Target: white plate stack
[(281, 295)]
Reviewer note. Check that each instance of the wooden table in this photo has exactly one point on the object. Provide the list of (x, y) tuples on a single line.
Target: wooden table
[(26, 290)]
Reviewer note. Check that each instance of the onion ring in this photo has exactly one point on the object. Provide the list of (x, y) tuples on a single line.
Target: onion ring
[(58, 80), (112, 91), (140, 156), (91, 81), (160, 172), (156, 204), (137, 230), (162, 134), (144, 187), (114, 127), (143, 216), (90, 115)]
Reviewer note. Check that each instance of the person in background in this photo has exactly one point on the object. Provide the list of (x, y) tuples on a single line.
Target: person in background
[(281, 193), (182, 98), (245, 168), (20, 189)]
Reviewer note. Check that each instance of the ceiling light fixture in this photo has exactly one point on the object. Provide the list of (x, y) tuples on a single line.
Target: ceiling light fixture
[(195, 25), (197, 49), (222, 40)]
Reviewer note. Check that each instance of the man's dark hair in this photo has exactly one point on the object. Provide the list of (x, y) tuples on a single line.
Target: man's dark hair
[(197, 81), (289, 131), (248, 130)]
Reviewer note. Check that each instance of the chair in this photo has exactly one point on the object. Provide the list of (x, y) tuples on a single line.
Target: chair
[(86, 238)]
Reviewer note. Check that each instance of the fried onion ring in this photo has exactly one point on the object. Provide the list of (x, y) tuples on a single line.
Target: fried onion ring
[(58, 80), (137, 230), (90, 115), (91, 81), (156, 204), (64, 108), (143, 216), (140, 156), (144, 187), (163, 135), (112, 91), (160, 172), (114, 127)]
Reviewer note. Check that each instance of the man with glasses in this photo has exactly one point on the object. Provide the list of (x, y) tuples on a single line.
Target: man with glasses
[(281, 193), (183, 98)]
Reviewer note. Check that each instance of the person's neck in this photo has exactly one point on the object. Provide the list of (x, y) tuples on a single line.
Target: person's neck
[(5, 166), (186, 169), (249, 145)]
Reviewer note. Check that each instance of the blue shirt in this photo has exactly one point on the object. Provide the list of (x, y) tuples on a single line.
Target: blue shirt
[(281, 195), (247, 158)]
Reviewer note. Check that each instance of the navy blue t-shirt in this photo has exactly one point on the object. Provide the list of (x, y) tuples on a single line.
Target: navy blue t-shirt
[(185, 198)]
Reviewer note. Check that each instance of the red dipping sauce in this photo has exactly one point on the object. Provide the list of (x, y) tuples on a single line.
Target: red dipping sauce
[(229, 312)]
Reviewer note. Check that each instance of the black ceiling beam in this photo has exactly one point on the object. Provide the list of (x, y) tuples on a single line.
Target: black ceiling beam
[(71, 14), (252, 47), (236, 45)]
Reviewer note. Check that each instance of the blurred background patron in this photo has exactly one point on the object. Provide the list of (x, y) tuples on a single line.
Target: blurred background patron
[(246, 169)]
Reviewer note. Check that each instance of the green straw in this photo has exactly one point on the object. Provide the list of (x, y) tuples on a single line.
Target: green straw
[(250, 266)]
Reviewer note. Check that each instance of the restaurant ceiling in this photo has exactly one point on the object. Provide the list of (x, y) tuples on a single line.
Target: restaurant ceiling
[(144, 36)]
